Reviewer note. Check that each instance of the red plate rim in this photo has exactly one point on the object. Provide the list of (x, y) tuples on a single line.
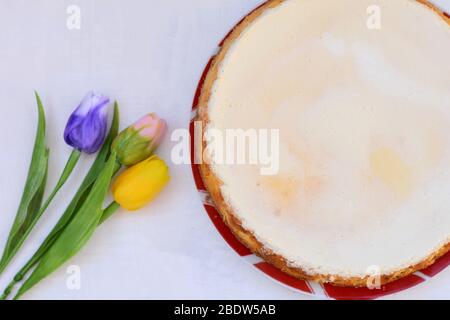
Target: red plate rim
[(303, 286)]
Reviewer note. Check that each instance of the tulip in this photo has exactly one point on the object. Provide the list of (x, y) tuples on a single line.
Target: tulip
[(87, 126), (139, 184), (139, 141), (85, 132)]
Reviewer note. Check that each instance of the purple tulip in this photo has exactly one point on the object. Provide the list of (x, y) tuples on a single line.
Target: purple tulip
[(87, 126)]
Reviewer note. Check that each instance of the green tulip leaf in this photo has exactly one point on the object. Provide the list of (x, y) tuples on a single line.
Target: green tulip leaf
[(26, 216), (77, 232), (74, 205)]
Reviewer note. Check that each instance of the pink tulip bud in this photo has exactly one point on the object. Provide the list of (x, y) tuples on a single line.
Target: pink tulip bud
[(140, 140)]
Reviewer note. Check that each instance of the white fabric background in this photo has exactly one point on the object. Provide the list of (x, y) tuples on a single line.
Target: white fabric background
[(149, 56)]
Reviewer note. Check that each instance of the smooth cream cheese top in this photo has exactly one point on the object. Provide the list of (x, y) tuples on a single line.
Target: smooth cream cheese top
[(363, 112)]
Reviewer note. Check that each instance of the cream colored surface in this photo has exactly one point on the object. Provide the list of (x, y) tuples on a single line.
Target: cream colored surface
[(364, 119)]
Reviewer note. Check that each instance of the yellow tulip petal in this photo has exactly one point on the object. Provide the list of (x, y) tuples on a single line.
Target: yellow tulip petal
[(140, 184)]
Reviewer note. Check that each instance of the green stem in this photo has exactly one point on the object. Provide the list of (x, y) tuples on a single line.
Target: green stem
[(71, 163), (113, 206), (109, 211), (8, 290)]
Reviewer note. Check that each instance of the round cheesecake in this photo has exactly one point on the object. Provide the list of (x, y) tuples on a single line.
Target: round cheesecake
[(359, 93)]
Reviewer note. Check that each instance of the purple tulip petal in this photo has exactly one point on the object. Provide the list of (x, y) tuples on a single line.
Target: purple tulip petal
[(87, 126)]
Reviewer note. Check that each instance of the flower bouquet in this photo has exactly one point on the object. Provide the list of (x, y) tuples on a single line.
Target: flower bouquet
[(144, 176)]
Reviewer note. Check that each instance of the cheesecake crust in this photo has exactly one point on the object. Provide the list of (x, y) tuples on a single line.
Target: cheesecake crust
[(213, 183)]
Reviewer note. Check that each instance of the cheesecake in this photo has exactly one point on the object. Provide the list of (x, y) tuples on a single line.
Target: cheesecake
[(359, 92)]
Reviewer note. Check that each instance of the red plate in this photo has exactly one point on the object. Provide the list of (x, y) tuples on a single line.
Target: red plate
[(307, 287)]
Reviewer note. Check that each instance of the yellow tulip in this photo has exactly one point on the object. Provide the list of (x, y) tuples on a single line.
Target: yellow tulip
[(139, 184)]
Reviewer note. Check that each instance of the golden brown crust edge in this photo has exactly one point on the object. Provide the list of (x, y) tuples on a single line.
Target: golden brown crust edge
[(213, 183)]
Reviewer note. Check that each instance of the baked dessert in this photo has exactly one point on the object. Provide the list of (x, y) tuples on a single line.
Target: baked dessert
[(360, 93)]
